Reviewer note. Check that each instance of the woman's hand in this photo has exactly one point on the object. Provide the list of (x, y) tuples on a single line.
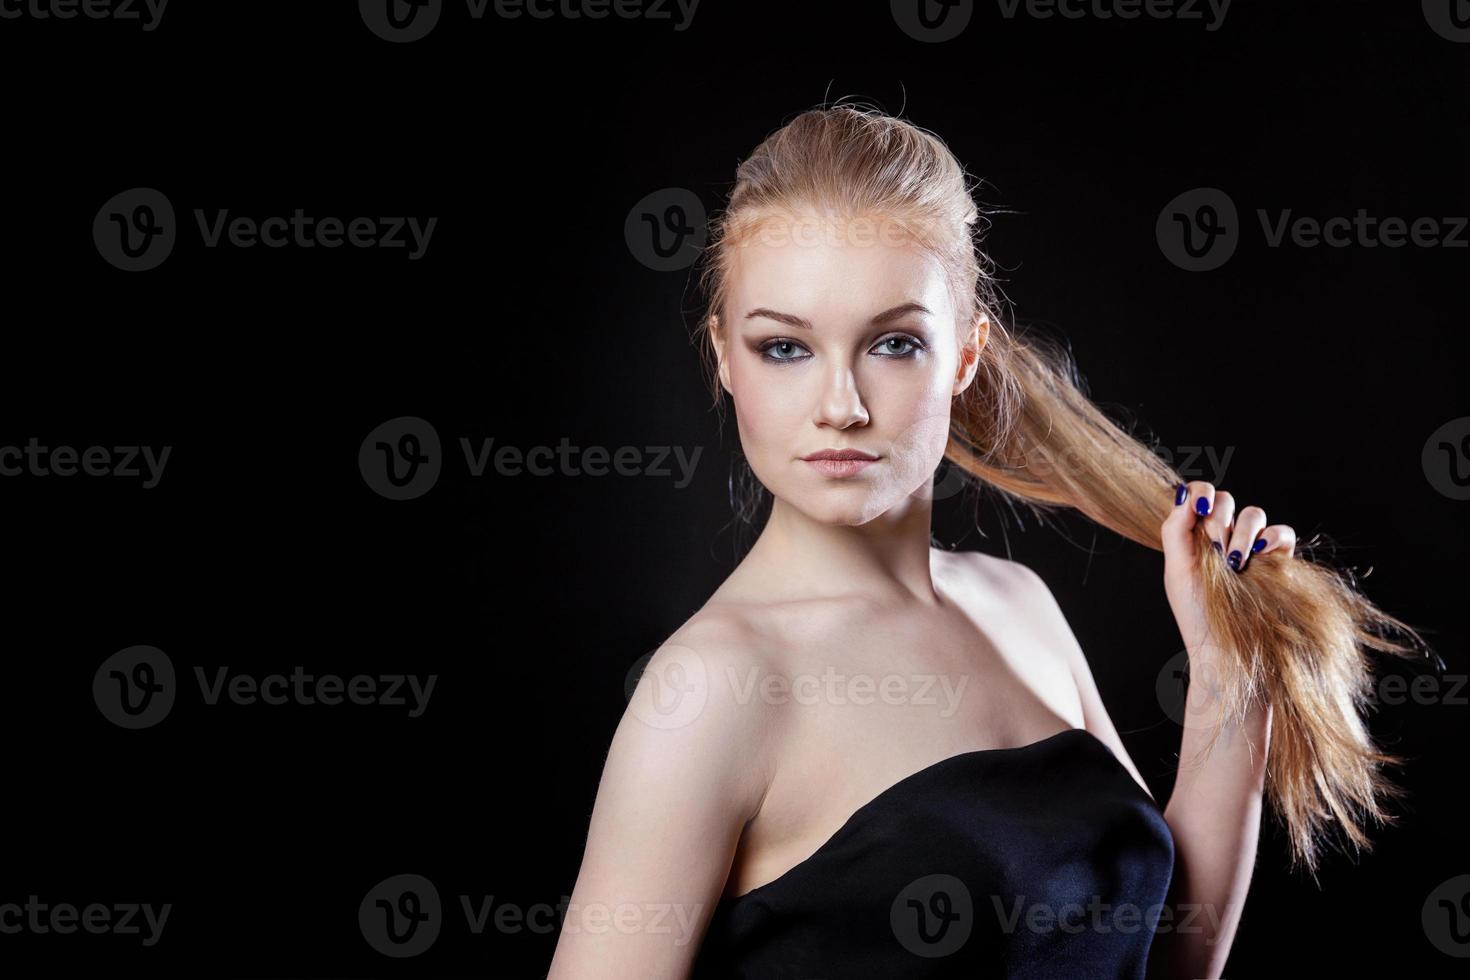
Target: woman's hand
[(1236, 538)]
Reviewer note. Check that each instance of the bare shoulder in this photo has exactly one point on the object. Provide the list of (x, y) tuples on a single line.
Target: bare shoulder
[(1017, 594), (697, 704), (728, 640), (1006, 578), (684, 773), (1024, 593)]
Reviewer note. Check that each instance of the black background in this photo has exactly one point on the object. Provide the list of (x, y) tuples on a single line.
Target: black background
[(529, 320)]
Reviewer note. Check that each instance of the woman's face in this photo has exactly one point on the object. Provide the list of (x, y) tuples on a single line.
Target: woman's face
[(840, 337)]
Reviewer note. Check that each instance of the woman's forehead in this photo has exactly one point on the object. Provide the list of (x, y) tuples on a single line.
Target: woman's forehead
[(833, 277)]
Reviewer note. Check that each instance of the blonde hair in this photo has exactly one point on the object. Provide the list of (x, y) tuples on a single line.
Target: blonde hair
[(1295, 629)]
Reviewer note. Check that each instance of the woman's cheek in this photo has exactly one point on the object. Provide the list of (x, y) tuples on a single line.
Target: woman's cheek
[(773, 404), (763, 421), (919, 443)]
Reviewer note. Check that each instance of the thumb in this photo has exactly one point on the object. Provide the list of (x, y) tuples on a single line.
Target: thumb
[(1193, 503)]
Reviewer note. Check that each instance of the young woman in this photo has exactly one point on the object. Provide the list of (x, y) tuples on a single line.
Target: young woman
[(868, 757)]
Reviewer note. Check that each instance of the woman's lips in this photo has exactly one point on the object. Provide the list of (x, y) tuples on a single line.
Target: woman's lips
[(840, 467)]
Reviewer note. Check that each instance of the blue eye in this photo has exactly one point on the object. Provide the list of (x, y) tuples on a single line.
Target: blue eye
[(913, 346), (765, 350)]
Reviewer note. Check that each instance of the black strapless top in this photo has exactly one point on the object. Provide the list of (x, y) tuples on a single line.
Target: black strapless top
[(1043, 861)]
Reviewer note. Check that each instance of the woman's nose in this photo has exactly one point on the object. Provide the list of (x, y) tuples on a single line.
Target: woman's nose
[(841, 404)]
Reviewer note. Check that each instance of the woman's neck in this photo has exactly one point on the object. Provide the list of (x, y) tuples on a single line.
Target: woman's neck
[(887, 557)]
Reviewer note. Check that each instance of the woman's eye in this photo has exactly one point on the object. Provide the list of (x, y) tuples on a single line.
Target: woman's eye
[(785, 351), (887, 346)]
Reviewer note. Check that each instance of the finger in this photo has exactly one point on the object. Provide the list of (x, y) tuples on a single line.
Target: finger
[(1222, 516), (1277, 537), (1250, 522), (1178, 527)]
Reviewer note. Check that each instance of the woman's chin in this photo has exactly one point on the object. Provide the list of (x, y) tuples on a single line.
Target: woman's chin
[(846, 506)]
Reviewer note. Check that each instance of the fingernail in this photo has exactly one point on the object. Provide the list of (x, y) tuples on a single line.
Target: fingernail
[(1181, 494), (1234, 560), (1260, 543), (1202, 507), (1218, 549)]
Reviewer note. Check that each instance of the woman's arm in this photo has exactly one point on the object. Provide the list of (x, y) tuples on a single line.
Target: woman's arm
[(685, 771), (1214, 814), (1215, 810)]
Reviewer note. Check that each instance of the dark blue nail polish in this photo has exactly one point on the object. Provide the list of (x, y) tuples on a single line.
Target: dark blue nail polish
[(1234, 560), (1218, 549), (1260, 543), (1181, 494), (1202, 507)]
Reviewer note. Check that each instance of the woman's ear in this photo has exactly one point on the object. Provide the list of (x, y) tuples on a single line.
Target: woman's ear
[(970, 347), (717, 339)]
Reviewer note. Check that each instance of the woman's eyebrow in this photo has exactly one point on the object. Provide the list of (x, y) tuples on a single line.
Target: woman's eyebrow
[(903, 309)]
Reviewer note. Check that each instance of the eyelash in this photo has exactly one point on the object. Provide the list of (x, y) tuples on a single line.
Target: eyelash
[(764, 349)]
